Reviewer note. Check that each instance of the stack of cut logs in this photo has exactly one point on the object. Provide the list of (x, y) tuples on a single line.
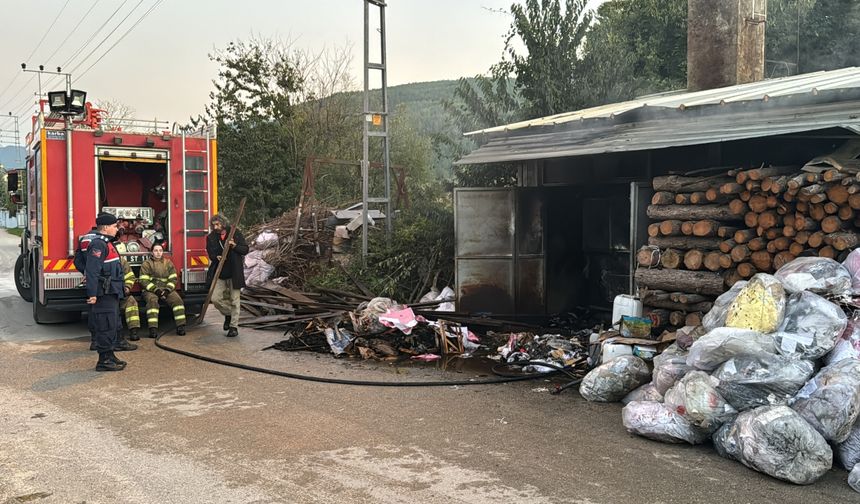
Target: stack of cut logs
[(709, 232)]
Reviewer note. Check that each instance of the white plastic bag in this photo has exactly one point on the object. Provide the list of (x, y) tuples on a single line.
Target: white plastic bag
[(810, 327), (759, 306), (751, 381), (830, 402), (696, 398), (669, 367), (821, 275), (716, 317), (612, 381), (655, 421), (854, 478), (647, 392), (775, 440), (848, 451), (848, 344), (266, 240), (723, 343), (852, 264)]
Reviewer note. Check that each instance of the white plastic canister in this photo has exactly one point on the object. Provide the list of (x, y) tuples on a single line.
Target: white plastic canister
[(614, 350), (625, 304)]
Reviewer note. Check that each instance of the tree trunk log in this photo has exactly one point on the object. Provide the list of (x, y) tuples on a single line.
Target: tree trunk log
[(648, 257), (731, 277), (670, 228), (757, 244), (740, 253), (738, 207), (671, 258), (685, 242), (699, 282), (690, 212), (694, 259), (693, 319), (762, 260), (744, 235), (663, 198), (831, 224), (677, 183), (843, 241), (706, 228), (746, 270), (727, 246)]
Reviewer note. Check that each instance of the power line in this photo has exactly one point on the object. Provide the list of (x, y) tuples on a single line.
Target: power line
[(132, 27), (74, 29), (47, 31), (98, 30), (106, 37), (53, 80), (15, 77)]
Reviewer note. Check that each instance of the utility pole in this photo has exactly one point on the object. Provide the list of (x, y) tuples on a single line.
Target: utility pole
[(375, 123), (67, 122)]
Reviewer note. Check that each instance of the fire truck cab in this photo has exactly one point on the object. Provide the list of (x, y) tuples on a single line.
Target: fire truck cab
[(161, 182)]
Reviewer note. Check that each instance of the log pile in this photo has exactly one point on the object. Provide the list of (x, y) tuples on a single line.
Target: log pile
[(706, 233)]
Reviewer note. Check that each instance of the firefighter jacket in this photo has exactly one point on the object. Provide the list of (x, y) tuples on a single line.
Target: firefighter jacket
[(103, 271), (128, 277), (158, 274)]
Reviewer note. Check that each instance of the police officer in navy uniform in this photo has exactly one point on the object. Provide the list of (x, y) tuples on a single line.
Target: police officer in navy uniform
[(104, 291)]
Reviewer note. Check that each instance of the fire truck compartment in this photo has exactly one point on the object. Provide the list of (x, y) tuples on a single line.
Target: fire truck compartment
[(138, 193)]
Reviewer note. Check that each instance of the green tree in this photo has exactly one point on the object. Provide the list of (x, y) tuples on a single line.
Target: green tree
[(549, 74), (830, 36), (635, 47)]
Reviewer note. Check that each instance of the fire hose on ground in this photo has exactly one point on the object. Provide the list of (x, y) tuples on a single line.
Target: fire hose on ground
[(503, 377)]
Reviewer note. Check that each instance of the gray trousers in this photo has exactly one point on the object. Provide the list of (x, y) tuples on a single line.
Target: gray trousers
[(226, 299)]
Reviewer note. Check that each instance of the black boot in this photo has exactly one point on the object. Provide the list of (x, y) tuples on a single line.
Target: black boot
[(116, 359), (122, 345), (180, 330), (153, 332), (227, 322), (92, 344), (232, 332), (105, 363), (132, 334)]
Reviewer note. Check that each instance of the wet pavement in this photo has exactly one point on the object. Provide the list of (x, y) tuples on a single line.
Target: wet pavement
[(173, 429)]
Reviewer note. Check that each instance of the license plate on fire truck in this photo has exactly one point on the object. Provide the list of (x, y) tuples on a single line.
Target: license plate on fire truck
[(131, 213)]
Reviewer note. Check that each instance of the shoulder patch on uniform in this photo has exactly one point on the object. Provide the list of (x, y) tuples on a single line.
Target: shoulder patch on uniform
[(97, 252)]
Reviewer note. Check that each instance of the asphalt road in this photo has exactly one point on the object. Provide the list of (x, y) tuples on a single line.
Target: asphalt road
[(170, 429)]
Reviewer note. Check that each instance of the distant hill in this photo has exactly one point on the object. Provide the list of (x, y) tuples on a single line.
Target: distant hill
[(423, 101), (12, 157)]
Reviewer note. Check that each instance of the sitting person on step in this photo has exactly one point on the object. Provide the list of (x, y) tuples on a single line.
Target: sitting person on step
[(158, 279)]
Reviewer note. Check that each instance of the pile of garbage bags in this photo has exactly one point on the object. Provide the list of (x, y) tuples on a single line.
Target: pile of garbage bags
[(772, 377)]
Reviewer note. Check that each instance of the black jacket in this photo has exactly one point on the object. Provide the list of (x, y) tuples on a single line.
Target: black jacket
[(235, 266), (104, 272)]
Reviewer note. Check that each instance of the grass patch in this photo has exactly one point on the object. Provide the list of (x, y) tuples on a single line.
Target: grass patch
[(15, 231)]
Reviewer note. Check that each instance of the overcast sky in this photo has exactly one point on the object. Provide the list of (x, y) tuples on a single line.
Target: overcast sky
[(160, 66)]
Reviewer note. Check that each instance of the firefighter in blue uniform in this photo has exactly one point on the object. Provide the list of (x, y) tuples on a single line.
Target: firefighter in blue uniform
[(104, 290)]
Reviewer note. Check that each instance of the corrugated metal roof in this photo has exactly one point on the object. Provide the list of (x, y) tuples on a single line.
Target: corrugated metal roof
[(658, 129), (804, 84)]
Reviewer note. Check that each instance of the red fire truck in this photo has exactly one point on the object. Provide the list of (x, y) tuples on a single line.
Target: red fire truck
[(161, 182)]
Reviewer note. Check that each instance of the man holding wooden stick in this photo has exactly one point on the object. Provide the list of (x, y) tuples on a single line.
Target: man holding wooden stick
[(227, 290)]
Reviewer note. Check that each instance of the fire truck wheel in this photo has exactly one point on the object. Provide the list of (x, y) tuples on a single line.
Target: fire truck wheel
[(24, 288)]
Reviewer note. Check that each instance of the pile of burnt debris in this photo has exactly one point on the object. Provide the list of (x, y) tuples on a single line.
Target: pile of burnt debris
[(353, 325)]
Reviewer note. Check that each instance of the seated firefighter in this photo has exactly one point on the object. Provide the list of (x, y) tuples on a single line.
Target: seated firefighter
[(158, 279), (128, 305)]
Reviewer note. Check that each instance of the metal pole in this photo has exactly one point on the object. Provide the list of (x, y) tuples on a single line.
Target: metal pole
[(69, 183), (365, 160), (389, 216)]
